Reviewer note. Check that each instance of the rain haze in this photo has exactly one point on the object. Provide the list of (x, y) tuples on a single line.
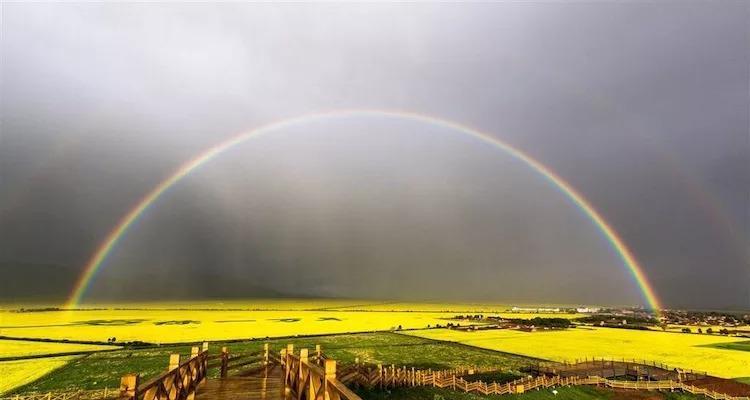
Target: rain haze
[(642, 107)]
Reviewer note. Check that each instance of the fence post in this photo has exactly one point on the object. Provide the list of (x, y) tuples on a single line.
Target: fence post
[(194, 351), (265, 353), (174, 361), (318, 351), (224, 362), (380, 374), (129, 386), (330, 374), (285, 390), (289, 349)]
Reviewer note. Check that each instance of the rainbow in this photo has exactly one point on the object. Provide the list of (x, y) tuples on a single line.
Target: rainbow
[(113, 238)]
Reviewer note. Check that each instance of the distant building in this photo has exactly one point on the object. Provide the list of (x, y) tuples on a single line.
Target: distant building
[(588, 310), (535, 310)]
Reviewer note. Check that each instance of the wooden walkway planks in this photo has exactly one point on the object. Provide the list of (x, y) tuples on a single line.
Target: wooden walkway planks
[(258, 387)]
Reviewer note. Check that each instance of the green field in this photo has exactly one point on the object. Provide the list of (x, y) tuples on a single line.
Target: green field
[(739, 346)]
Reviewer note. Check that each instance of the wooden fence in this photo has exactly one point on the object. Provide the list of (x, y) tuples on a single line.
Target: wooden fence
[(455, 381), (304, 378), (611, 367), (180, 382), (390, 377)]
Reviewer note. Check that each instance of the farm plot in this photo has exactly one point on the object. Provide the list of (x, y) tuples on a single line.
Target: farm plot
[(20, 372), (22, 348), (176, 326), (679, 350)]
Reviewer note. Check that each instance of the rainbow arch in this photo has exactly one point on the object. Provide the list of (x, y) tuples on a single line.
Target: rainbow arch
[(97, 260)]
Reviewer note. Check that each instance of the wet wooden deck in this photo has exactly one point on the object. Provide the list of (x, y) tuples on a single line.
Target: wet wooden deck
[(263, 386)]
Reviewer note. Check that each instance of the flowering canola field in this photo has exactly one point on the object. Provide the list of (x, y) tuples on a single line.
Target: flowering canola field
[(19, 348), (676, 349), (21, 372), (189, 322), (173, 326)]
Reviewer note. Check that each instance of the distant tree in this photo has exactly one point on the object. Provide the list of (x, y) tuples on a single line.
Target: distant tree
[(724, 331), (700, 330), (709, 331), (685, 330)]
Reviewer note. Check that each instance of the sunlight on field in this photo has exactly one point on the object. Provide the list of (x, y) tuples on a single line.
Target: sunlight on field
[(679, 350), (19, 348), (21, 372), (172, 326)]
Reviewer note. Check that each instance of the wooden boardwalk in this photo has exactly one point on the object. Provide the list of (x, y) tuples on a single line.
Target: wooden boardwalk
[(264, 385)]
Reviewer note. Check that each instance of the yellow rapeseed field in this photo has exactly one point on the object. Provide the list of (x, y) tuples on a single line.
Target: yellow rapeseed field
[(21, 372), (17, 348), (171, 326), (676, 349), (172, 322)]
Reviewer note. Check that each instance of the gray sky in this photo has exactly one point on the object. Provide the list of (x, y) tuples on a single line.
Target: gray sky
[(641, 106)]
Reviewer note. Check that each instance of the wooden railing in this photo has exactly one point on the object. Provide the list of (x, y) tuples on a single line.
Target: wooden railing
[(228, 362), (371, 376), (305, 378), (180, 382)]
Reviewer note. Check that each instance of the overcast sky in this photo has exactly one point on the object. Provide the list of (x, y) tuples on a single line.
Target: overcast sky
[(641, 106)]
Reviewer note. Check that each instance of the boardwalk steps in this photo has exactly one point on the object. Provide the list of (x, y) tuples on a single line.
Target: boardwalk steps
[(241, 388)]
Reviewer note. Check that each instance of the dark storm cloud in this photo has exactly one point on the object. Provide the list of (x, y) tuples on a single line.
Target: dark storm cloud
[(643, 107)]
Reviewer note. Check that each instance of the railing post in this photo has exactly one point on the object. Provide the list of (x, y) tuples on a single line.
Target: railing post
[(330, 371), (265, 353), (318, 351), (174, 361), (286, 391), (224, 362), (129, 386), (194, 351), (380, 374)]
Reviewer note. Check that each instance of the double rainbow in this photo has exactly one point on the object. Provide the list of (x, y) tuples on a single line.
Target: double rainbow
[(96, 262)]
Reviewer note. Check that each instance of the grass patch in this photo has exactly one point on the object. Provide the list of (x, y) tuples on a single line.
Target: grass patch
[(739, 346), (497, 377), (744, 379)]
